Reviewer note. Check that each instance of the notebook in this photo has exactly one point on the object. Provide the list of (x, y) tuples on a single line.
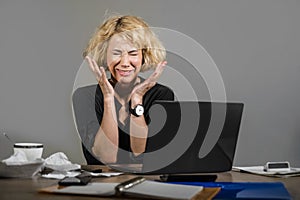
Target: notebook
[(144, 189)]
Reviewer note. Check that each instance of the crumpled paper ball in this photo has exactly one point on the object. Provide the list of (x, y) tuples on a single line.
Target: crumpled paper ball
[(60, 162)]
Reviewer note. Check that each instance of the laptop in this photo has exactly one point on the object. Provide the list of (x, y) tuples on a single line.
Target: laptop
[(192, 137)]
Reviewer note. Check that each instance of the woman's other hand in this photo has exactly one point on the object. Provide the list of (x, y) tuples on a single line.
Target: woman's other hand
[(140, 90)]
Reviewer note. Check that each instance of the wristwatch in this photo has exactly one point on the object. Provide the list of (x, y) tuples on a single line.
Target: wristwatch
[(137, 111)]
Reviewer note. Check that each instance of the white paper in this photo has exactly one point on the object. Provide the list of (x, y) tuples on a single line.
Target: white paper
[(260, 171), (164, 190), (59, 162), (97, 189), (60, 175), (105, 174), (18, 157)]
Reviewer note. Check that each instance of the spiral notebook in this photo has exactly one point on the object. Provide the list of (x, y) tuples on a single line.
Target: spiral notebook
[(144, 189)]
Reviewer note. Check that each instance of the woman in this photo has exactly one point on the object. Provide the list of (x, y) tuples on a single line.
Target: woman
[(125, 46)]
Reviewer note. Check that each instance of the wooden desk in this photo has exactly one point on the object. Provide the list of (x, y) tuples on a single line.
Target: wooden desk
[(11, 189)]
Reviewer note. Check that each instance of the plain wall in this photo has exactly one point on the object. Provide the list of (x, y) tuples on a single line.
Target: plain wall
[(255, 44)]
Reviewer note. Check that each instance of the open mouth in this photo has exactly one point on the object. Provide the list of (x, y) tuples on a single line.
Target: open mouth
[(124, 72)]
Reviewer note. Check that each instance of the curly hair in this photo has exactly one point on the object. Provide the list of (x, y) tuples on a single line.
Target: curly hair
[(131, 28)]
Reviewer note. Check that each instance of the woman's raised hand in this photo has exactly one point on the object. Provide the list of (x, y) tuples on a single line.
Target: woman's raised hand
[(99, 72), (140, 90)]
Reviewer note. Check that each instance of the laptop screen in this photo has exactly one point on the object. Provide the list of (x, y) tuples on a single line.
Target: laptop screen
[(192, 137)]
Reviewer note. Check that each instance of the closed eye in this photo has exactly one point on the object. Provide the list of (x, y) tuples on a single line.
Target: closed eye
[(117, 52), (133, 53)]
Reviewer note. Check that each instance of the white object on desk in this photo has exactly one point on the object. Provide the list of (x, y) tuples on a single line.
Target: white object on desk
[(164, 190), (277, 166), (33, 151), (105, 174), (259, 170), (60, 162)]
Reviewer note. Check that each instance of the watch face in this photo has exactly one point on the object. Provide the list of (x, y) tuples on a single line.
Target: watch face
[(139, 110)]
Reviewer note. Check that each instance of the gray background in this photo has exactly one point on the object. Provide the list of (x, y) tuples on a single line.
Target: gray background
[(255, 44)]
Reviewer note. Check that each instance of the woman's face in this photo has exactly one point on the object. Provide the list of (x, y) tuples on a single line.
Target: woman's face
[(124, 60)]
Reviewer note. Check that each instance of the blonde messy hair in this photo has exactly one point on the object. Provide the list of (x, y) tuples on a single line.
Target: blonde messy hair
[(132, 29)]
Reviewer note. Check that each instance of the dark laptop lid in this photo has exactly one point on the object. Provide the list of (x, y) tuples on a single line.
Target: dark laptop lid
[(192, 137)]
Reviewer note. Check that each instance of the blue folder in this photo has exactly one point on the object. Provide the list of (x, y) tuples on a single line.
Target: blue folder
[(246, 190)]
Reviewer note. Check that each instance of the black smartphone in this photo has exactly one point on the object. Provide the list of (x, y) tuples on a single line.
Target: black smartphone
[(77, 180)]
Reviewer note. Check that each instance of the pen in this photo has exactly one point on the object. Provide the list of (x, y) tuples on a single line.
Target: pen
[(128, 184)]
